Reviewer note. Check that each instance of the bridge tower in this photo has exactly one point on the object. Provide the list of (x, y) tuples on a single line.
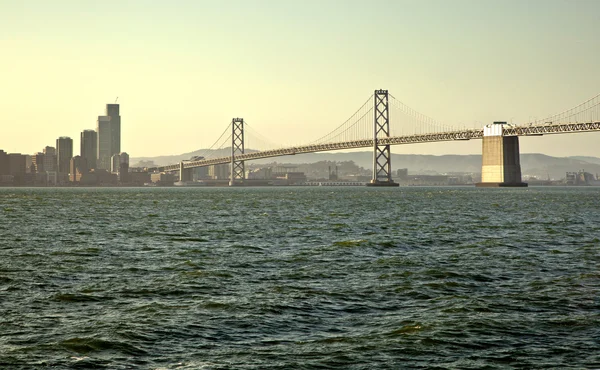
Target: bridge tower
[(500, 162), (237, 147), (382, 161)]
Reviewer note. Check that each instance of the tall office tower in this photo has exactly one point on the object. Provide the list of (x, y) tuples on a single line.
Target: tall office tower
[(64, 150), (112, 111), (4, 166), (49, 159), (38, 162), (104, 143), (89, 148)]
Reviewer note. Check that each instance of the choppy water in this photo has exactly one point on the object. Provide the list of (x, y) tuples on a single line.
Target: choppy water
[(306, 278)]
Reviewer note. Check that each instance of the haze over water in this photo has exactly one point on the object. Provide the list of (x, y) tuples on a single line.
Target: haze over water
[(280, 278)]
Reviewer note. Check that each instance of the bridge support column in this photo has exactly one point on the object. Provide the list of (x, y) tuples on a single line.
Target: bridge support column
[(500, 159), (185, 174), (382, 161), (237, 147)]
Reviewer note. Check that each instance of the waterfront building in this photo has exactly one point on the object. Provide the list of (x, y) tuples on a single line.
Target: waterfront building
[(112, 111), (4, 166), (123, 167), (64, 153), (119, 164), (17, 168), (108, 136), (139, 177), (263, 173), (28, 163), (98, 177), (38, 162), (162, 178), (104, 143), (78, 167), (115, 163), (51, 177), (50, 159), (89, 147), (17, 164)]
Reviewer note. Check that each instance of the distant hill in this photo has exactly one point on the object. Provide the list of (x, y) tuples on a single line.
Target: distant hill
[(172, 159), (539, 165), (587, 159), (422, 164), (542, 166)]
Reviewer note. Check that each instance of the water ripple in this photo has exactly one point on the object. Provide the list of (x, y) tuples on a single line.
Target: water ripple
[(280, 278)]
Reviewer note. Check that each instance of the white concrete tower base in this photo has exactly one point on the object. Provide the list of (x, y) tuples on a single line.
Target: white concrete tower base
[(501, 165)]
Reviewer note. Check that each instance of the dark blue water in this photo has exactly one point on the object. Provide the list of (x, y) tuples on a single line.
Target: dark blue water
[(300, 278)]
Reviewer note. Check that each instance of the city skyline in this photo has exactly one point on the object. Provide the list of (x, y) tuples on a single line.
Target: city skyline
[(292, 70), (99, 160)]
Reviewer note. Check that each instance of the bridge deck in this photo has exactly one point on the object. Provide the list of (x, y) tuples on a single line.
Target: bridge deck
[(395, 140)]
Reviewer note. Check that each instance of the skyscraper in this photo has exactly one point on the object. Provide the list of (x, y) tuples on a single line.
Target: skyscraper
[(49, 159), (112, 111), (64, 150), (89, 147), (109, 136), (104, 143)]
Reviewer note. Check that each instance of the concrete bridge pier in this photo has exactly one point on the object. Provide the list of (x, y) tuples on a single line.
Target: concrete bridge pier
[(185, 174), (501, 164)]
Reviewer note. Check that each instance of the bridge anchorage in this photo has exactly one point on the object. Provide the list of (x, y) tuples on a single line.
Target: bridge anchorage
[(382, 161), (237, 175)]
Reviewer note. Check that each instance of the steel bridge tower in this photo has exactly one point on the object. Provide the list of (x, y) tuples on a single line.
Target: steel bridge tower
[(237, 147), (382, 161)]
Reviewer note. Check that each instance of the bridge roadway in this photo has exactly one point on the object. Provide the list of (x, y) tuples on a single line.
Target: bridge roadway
[(533, 130)]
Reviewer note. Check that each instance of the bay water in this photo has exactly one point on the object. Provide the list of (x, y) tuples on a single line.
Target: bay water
[(299, 278)]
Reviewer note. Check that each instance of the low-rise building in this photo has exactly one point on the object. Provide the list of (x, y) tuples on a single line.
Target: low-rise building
[(163, 178), (139, 178), (98, 177)]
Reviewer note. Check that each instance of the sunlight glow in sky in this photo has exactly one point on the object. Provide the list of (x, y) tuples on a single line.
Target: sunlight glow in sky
[(294, 69)]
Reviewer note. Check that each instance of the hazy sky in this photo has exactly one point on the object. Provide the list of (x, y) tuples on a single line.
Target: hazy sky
[(293, 69)]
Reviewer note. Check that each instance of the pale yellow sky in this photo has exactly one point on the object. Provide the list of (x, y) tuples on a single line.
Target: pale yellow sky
[(294, 69)]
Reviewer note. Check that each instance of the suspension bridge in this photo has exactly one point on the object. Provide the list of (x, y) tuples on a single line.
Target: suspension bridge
[(383, 121)]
